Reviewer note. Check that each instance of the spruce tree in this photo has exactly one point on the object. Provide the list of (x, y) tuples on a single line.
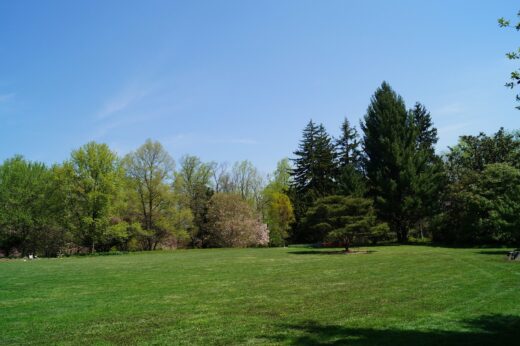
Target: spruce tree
[(348, 146), (426, 133), (429, 168), (314, 171), (314, 165), (350, 180), (390, 144)]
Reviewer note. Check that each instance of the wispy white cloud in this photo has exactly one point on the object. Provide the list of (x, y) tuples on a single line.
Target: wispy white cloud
[(449, 109), (452, 127), (128, 97), (6, 97)]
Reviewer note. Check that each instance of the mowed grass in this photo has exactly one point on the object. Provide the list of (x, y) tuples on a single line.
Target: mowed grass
[(395, 295)]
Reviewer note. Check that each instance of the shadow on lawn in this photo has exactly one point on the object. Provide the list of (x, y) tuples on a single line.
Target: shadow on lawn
[(495, 252), (485, 330), (331, 252)]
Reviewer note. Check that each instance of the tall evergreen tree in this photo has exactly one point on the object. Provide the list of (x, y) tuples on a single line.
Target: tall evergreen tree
[(429, 168), (348, 146), (314, 170), (390, 144), (314, 165), (426, 133), (350, 180)]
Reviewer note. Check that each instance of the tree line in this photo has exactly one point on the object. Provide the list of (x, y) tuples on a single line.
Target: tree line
[(97, 201), (388, 183), (383, 183)]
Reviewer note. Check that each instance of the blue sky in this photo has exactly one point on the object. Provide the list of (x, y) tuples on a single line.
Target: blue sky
[(233, 80)]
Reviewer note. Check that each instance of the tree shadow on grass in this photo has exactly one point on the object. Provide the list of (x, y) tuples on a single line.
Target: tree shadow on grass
[(332, 252), (495, 252), (485, 330)]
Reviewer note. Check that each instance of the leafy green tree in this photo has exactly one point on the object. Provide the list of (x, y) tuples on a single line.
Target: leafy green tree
[(247, 181), (27, 220), (277, 209), (480, 198), (150, 169), (279, 218), (473, 153), (93, 176), (192, 184), (345, 219), (281, 179), (513, 55), (499, 190)]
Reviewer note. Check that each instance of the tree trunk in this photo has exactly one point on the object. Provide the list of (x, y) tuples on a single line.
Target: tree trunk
[(347, 245)]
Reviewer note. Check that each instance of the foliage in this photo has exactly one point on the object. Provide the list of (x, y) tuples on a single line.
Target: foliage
[(351, 179), (473, 153), (30, 209), (314, 172), (481, 196), (232, 222), (246, 181), (279, 217), (345, 219), (400, 160), (92, 178), (150, 169), (514, 55), (277, 209), (192, 185), (314, 165)]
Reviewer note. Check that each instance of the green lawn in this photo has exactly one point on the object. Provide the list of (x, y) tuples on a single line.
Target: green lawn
[(406, 295)]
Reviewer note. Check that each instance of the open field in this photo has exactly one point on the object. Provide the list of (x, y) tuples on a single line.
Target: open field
[(410, 295)]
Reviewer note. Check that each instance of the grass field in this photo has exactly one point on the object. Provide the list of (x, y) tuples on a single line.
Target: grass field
[(405, 295)]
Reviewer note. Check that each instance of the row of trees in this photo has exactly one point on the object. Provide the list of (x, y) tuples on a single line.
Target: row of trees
[(386, 183), (389, 182), (96, 201)]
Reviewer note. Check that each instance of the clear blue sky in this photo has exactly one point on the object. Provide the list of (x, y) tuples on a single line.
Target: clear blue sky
[(232, 80)]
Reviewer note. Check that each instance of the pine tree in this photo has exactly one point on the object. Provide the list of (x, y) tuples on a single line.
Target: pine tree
[(348, 146), (314, 171), (343, 218), (429, 167), (350, 180), (427, 134), (314, 165), (390, 145)]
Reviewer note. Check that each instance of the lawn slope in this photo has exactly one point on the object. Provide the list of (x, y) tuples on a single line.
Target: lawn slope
[(406, 295)]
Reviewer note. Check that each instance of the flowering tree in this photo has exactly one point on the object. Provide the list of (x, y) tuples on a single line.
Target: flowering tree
[(232, 222)]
